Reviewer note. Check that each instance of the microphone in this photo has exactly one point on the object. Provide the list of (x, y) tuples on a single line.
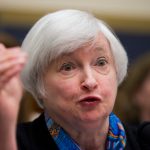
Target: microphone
[(144, 135)]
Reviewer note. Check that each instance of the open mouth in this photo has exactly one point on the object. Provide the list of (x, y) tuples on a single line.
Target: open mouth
[(89, 101)]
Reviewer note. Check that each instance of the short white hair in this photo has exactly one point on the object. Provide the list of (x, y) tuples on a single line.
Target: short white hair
[(62, 32)]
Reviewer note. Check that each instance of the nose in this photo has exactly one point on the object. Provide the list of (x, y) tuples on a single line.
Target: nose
[(89, 82)]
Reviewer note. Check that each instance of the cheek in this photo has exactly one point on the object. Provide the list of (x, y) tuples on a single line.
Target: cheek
[(67, 90), (110, 90), (62, 89)]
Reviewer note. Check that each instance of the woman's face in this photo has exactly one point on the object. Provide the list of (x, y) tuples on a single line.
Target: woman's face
[(81, 86)]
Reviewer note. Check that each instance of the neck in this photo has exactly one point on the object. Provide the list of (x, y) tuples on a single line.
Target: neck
[(91, 139)]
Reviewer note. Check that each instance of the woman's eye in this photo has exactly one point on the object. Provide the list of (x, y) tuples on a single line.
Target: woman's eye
[(67, 67), (101, 62), (102, 65)]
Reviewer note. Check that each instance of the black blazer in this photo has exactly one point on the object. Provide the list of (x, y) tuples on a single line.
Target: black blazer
[(35, 136)]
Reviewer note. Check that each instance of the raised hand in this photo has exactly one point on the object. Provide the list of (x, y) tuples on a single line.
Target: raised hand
[(12, 61)]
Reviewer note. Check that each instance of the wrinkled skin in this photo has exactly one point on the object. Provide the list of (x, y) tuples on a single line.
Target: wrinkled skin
[(81, 90)]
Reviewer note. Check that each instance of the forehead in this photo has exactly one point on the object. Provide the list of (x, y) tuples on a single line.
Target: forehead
[(100, 45)]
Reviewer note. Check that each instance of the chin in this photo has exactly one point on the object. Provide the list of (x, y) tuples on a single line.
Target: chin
[(95, 116), (90, 119)]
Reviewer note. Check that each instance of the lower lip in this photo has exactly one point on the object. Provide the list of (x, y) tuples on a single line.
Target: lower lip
[(89, 103)]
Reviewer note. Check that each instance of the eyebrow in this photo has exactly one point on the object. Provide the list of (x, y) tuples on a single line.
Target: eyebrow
[(101, 49)]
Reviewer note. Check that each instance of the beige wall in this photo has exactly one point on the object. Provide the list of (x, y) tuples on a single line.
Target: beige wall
[(122, 15)]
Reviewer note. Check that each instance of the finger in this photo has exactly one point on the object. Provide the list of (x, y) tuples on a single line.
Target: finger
[(8, 55), (9, 52), (2, 47), (14, 48), (5, 66), (11, 73)]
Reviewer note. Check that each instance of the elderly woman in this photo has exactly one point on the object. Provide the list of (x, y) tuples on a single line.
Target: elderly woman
[(75, 64)]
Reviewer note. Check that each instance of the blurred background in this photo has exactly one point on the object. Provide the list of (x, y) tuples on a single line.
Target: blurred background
[(130, 20)]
